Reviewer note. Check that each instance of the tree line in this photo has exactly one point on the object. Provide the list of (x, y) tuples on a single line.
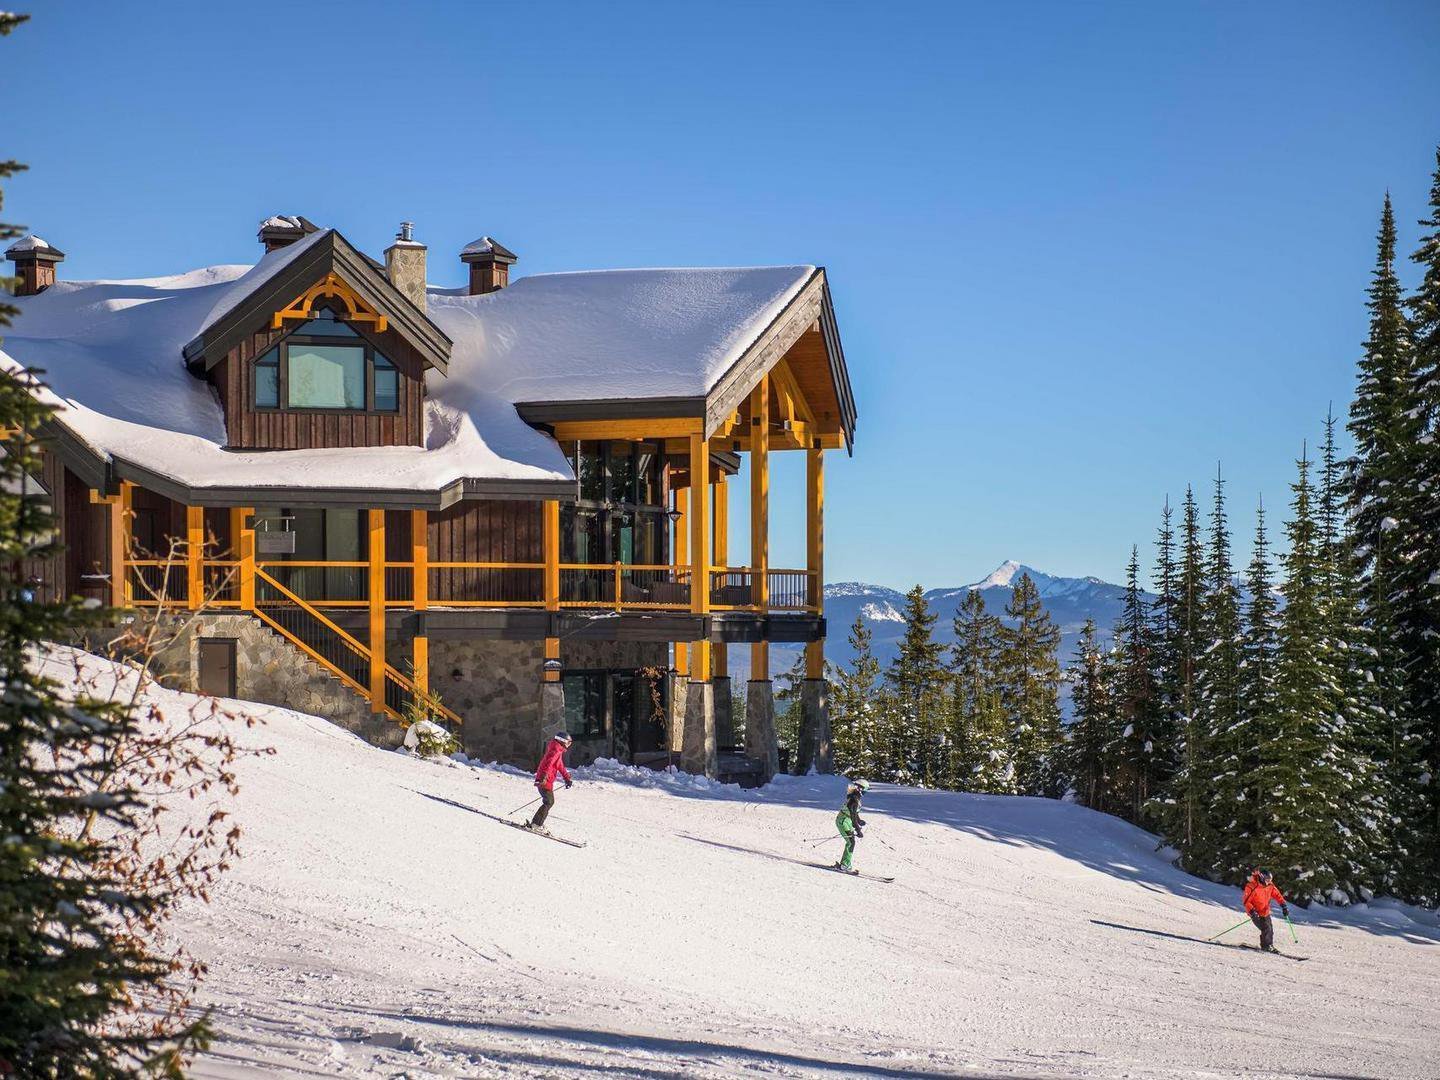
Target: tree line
[(1285, 713)]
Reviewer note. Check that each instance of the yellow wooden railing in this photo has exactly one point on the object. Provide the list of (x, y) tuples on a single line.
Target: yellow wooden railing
[(452, 584)]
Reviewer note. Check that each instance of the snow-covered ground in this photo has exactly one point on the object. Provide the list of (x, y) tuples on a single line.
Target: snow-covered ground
[(384, 924)]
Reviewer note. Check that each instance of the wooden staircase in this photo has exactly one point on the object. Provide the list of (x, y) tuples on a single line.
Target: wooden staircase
[(337, 651)]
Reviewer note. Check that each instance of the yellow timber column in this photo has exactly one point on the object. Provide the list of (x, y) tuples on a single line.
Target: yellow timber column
[(681, 558), (720, 658), (698, 746), (120, 516), (420, 596), (761, 744), (815, 745), (552, 688), (376, 594), (242, 549), (194, 555)]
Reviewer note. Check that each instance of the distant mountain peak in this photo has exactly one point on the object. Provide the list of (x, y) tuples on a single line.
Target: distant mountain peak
[(1001, 576)]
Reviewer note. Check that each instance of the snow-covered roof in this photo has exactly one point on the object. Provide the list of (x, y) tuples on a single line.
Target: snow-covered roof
[(112, 353), (609, 334), (487, 245), (31, 243)]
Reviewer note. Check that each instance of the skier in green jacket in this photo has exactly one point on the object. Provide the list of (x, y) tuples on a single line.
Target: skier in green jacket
[(850, 823)]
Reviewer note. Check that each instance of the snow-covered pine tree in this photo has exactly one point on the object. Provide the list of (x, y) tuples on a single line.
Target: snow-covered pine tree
[(1244, 783), (1131, 751), (1030, 690), (1090, 738), (1416, 600), (981, 758), (1304, 786), (852, 716), (1164, 620), (1367, 826), (789, 707), (1185, 814), (919, 678)]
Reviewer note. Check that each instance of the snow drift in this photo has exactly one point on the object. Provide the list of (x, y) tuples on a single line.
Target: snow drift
[(383, 921)]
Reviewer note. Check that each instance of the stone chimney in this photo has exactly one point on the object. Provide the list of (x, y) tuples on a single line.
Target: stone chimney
[(284, 229), (489, 262), (405, 263), (34, 261)]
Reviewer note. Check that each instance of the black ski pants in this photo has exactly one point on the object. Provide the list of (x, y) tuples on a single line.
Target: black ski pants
[(547, 800), (1267, 930)]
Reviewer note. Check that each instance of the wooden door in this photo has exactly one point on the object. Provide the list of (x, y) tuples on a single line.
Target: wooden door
[(217, 666)]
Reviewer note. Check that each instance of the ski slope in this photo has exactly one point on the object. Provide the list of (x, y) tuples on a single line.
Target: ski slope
[(382, 924)]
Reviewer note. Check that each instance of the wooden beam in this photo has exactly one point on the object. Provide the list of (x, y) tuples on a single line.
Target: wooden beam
[(700, 550), (550, 535), (672, 427), (815, 553), (194, 556), (551, 671), (242, 544), (420, 594), (376, 593), (760, 518)]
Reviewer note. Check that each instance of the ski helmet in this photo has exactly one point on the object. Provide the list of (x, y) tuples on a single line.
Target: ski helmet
[(1264, 876), (563, 738), (862, 785)]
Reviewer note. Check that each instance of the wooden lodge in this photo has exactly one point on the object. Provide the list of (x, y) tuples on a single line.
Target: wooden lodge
[(513, 498)]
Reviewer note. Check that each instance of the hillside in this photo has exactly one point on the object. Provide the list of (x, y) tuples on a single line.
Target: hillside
[(383, 923)]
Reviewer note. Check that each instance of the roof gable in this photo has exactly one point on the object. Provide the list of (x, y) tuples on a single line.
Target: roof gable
[(282, 277)]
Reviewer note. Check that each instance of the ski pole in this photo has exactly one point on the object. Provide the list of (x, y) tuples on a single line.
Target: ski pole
[(1292, 930), (1224, 932), (517, 809)]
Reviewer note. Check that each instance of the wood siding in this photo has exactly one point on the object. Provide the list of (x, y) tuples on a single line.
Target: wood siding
[(487, 531), (247, 428)]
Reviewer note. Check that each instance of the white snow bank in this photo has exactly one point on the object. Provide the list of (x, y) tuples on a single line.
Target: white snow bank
[(383, 921)]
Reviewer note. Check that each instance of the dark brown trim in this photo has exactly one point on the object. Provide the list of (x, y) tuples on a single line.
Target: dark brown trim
[(626, 408)]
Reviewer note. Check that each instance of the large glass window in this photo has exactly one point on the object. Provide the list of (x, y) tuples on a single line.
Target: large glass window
[(326, 364), (585, 704), (620, 516)]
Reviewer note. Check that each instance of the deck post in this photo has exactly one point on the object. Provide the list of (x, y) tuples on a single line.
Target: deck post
[(552, 688), (815, 749), (194, 554), (760, 520), (720, 658), (420, 596), (376, 594), (242, 544), (698, 745), (120, 515), (681, 558)]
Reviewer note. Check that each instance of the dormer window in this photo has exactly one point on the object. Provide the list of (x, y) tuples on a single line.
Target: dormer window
[(326, 365)]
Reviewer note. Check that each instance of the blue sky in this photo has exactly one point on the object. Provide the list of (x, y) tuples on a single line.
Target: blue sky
[(1080, 253)]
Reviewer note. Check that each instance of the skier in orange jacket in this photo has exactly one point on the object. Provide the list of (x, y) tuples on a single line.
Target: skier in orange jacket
[(1260, 892)]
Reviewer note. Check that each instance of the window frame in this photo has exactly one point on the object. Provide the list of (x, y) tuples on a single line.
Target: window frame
[(282, 380), (599, 676), (608, 511)]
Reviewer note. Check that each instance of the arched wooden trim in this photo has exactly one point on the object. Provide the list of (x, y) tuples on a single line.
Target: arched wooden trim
[(300, 308)]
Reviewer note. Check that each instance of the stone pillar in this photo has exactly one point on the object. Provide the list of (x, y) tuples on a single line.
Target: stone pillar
[(697, 743), (552, 710), (724, 711), (815, 750), (675, 721), (760, 742)]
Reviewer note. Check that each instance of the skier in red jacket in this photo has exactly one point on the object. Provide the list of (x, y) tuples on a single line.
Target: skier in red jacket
[(551, 762), (1260, 892)]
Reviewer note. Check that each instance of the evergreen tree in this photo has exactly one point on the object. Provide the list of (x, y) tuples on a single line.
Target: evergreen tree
[(1030, 691), (1186, 812), (852, 716), (919, 679), (790, 707), (1302, 777), (1164, 621), (1131, 751), (1366, 825), (1416, 598), (71, 970), (981, 760), (1090, 738)]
